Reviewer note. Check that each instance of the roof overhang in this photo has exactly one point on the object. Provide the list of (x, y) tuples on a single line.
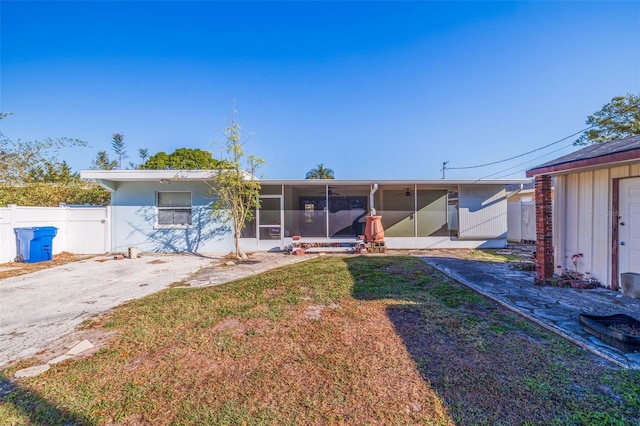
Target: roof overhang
[(391, 182), (612, 159), (108, 179), (146, 175)]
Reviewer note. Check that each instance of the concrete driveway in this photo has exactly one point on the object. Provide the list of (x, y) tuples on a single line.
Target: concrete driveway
[(39, 308)]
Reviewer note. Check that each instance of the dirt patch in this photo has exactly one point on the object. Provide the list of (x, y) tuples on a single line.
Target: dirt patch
[(227, 324), (98, 337), (272, 292), (520, 251), (14, 269)]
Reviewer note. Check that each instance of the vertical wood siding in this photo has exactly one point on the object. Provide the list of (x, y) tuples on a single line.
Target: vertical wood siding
[(583, 218)]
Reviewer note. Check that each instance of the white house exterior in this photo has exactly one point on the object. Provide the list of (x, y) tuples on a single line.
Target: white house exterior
[(596, 209), (170, 211)]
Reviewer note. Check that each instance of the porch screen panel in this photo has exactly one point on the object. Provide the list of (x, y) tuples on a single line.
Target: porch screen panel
[(398, 212), (432, 213), (312, 216), (249, 230)]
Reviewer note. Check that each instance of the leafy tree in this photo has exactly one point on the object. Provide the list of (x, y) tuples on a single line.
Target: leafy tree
[(103, 162), (51, 172), (182, 159), (21, 162), (45, 194), (618, 119), (320, 172), (118, 147), (32, 175), (143, 153), (236, 189)]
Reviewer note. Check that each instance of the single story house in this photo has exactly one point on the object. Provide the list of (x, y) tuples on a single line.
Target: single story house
[(596, 212), (170, 211)]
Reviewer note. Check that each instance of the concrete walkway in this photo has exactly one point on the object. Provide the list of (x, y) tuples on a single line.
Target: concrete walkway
[(554, 308)]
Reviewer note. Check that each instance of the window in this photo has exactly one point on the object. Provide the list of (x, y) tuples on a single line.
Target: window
[(174, 208)]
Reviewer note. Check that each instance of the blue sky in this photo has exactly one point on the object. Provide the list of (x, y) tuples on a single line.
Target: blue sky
[(372, 90)]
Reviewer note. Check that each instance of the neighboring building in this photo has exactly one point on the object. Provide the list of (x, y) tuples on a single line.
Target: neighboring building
[(524, 192), (596, 211), (170, 211), (521, 212)]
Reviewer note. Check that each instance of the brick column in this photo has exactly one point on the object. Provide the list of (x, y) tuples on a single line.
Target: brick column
[(544, 229)]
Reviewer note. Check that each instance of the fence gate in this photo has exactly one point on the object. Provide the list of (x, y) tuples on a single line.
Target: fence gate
[(81, 229)]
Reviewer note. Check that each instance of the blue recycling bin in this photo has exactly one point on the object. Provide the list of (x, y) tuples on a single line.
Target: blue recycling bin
[(34, 244)]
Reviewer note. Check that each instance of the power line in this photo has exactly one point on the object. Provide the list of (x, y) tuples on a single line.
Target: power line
[(525, 162), (522, 170), (522, 155)]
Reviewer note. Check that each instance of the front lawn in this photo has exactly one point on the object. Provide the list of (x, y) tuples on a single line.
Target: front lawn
[(334, 340)]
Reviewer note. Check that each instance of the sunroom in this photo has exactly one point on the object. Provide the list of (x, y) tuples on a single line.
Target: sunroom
[(414, 214), (170, 211)]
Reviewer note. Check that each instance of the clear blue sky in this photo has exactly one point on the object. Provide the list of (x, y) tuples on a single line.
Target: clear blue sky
[(385, 90)]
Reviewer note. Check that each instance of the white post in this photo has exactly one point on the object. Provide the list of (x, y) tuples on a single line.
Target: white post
[(12, 224), (108, 230)]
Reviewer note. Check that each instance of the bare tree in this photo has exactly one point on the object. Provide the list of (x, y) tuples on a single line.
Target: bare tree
[(236, 186)]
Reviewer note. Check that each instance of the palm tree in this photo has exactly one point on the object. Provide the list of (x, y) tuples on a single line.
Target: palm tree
[(320, 172)]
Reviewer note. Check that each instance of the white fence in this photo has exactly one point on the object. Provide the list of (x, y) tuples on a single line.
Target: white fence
[(521, 221), (81, 229)]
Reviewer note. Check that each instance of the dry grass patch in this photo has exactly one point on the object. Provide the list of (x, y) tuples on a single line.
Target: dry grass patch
[(14, 269), (336, 340)]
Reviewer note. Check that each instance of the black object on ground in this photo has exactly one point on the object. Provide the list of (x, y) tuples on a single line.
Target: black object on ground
[(620, 331)]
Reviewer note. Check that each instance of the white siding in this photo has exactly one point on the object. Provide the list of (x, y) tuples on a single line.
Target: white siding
[(601, 226), (583, 219), (482, 212)]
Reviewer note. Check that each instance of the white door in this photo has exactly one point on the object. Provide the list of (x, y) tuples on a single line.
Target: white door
[(629, 226)]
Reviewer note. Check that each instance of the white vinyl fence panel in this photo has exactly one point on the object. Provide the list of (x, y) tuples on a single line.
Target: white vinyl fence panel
[(81, 229), (521, 221)]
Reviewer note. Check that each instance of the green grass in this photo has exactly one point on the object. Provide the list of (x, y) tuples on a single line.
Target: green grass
[(494, 255), (335, 340)]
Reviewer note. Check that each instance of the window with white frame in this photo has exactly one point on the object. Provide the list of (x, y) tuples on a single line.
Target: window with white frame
[(174, 208)]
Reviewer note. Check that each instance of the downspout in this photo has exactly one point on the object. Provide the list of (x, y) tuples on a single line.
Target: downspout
[(374, 188)]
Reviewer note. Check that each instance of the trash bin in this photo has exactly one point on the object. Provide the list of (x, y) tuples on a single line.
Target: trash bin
[(34, 244)]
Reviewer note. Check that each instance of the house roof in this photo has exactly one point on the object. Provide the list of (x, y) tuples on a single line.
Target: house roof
[(108, 177), (618, 151)]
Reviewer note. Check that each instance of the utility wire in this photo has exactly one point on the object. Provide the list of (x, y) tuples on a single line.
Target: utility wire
[(522, 155), (521, 170), (525, 162)]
